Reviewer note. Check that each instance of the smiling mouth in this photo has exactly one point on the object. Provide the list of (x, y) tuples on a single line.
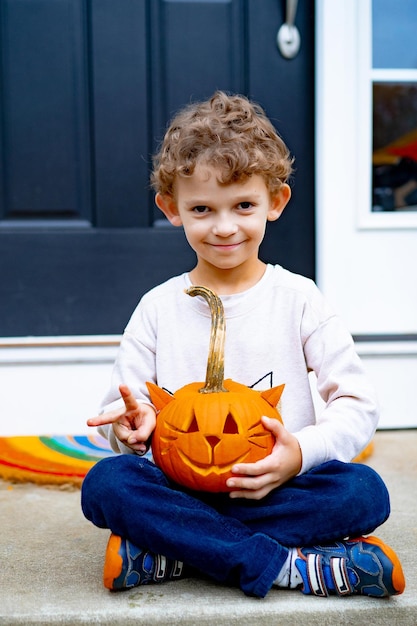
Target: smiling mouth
[(206, 469), (226, 246)]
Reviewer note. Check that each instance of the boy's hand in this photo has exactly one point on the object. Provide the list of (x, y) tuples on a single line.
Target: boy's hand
[(256, 480), (133, 424)]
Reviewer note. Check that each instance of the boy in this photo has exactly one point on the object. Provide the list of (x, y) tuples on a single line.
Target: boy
[(296, 518)]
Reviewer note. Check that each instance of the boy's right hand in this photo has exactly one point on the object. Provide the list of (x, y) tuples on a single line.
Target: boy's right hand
[(133, 424)]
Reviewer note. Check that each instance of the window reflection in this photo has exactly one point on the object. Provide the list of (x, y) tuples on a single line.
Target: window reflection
[(394, 87), (394, 158)]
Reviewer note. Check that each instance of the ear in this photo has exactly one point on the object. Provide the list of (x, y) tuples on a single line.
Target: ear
[(159, 397), (278, 202), (272, 396), (168, 206)]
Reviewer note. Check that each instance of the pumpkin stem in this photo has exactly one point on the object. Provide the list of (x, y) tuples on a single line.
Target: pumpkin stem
[(215, 361)]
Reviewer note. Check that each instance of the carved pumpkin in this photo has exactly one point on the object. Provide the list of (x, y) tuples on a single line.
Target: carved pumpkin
[(201, 432)]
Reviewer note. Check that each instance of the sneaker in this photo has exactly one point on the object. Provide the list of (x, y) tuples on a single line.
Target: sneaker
[(363, 566), (127, 566)]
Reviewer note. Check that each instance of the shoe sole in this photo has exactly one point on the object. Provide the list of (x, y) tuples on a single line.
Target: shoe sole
[(113, 562)]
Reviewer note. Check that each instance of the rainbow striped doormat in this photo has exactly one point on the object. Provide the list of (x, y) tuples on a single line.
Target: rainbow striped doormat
[(51, 460), (59, 460)]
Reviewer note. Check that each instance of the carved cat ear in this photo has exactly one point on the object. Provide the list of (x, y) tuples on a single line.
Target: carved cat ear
[(272, 396), (159, 397)]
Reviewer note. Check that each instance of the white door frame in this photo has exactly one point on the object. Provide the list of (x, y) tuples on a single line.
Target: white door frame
[(366, 263)]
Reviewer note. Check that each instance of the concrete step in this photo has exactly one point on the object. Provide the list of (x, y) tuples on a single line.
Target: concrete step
[(51, 566)]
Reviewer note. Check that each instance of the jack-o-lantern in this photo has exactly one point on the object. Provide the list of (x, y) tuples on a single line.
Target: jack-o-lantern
[(201, 432)]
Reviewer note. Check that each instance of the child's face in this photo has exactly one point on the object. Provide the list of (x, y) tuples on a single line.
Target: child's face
[(224, 224)]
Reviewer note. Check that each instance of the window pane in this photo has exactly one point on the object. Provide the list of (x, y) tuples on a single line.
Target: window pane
[(394, 146), (394, 33)]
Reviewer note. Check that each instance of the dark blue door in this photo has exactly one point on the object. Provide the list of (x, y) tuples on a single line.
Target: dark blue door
[(87, 87)]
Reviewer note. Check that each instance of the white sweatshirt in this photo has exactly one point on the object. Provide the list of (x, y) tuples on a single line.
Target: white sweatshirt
[(276, 332)]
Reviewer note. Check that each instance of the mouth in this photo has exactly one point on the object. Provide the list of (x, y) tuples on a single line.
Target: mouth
[(226, 246), (205, 469)]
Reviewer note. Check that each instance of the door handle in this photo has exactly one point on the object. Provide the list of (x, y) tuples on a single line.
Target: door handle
[(288, 36)]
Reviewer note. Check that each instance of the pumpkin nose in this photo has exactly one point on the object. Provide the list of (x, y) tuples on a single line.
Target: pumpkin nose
[(213, 440)]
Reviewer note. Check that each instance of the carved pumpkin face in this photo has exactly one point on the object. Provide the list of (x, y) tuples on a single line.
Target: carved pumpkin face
[(201, 432), (200, 436)]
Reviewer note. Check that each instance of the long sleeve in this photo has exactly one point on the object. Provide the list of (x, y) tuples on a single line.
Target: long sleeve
[(350, 414), (134, 366), (277, 332)]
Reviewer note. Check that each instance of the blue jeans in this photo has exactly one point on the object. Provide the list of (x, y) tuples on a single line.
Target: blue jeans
[(238, 542)]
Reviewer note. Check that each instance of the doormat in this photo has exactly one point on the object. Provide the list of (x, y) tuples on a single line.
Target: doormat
[(63, 460), (51, 460)]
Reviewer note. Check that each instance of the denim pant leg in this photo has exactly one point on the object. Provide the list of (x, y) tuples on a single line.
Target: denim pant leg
[(133, 498), (332, 501)]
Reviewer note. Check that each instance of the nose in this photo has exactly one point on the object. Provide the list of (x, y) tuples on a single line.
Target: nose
[(224, 225), (213, 440)]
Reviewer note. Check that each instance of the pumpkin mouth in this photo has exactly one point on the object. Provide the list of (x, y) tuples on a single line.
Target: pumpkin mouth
[(205, 470)]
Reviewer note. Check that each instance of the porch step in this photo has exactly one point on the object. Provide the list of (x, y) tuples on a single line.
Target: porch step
[(51, 566)]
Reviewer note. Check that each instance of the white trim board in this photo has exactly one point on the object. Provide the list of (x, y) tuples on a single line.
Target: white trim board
[(52, 385)]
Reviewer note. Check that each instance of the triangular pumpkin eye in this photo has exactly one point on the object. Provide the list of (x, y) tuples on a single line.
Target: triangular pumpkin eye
[(193, 427), (230, 426)]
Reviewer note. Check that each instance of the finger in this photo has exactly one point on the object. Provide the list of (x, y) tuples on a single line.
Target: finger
[(250, 484), (139, 448), (128, 398), (253, 489), (105, 418), (143, 444), (140, 435), (248, 495), (252, 495), (273, 425), (133, 439), (95, 421), (251, 469)]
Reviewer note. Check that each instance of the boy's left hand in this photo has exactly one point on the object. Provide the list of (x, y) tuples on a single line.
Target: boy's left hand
[(255, 480)]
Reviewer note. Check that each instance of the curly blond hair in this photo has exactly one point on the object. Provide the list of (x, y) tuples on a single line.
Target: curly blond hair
[(227, 132)]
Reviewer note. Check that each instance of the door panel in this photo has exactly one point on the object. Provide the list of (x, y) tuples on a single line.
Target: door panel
[(286, 90), (88, 88), (99, 281), (197, 47), (120, 118), (45, 111)]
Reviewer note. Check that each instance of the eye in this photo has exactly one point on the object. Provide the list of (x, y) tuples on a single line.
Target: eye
[(245, 205), (193, 427), (230, 426), (200, 209)]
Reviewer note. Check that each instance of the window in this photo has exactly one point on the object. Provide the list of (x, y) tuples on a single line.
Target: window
[(393, 86)]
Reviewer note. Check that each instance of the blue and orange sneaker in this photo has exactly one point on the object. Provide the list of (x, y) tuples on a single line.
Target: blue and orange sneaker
[(364, 565), (127, 566)]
